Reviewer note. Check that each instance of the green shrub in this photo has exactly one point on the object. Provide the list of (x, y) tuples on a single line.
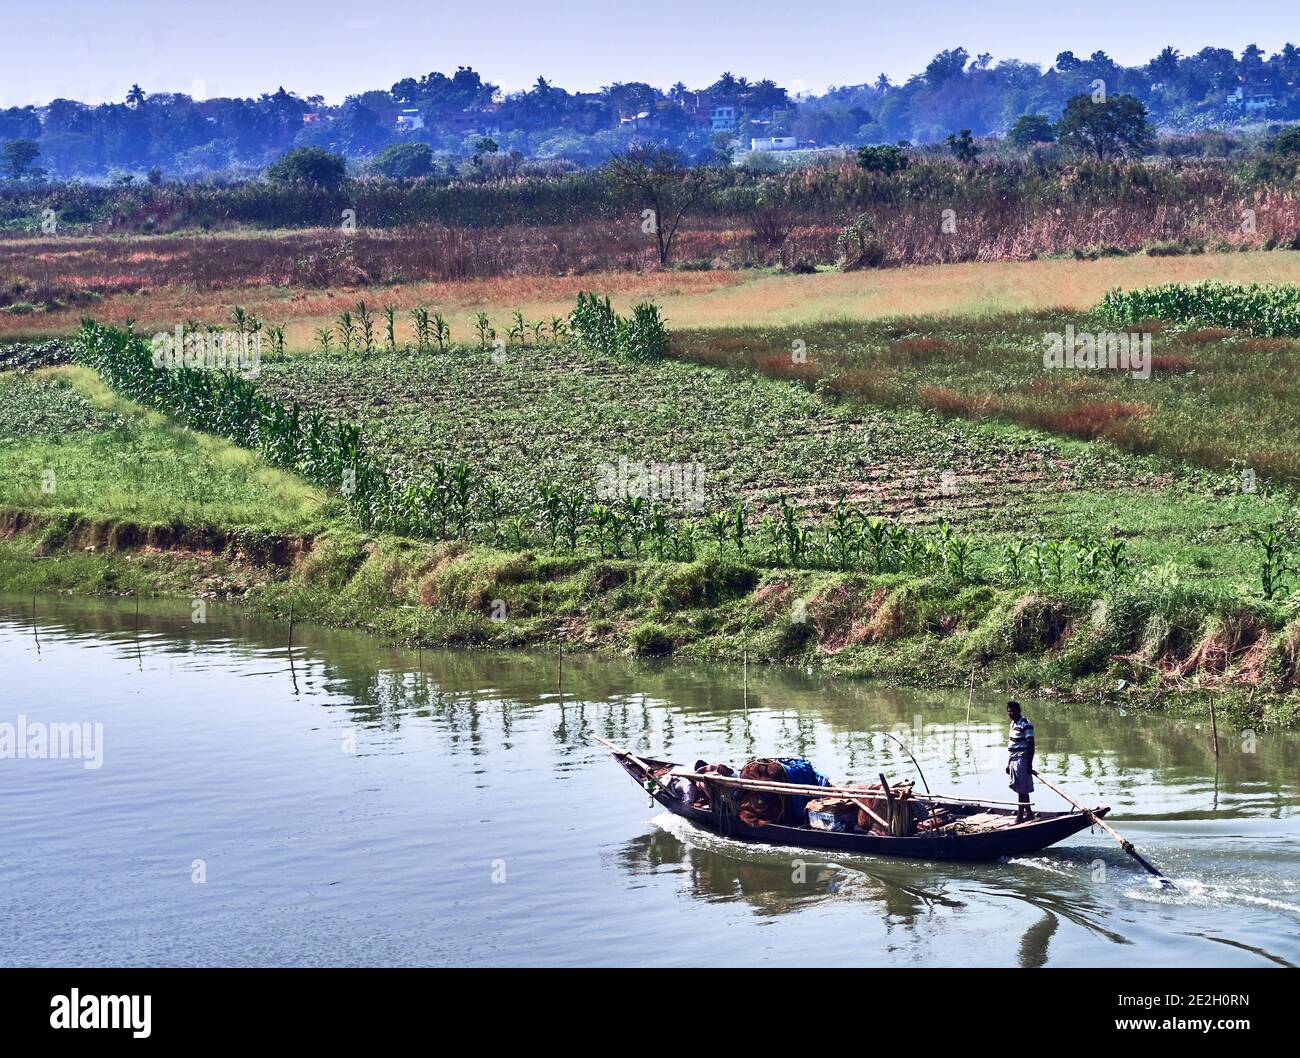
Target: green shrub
[(651, 640)]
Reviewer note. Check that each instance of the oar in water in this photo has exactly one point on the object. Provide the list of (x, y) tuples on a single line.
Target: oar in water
[(1124, 843)]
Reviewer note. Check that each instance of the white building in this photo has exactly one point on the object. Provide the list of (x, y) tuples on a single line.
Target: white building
[(409, 119)]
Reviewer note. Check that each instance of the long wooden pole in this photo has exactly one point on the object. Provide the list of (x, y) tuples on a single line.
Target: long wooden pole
[(620, 751), (1124, 843), (802, 790)]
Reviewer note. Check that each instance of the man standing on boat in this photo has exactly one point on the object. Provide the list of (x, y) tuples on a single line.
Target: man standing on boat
[(1021, 765)]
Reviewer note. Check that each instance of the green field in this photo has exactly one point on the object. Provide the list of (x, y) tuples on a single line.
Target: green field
[(1221, 399), (997, 567)]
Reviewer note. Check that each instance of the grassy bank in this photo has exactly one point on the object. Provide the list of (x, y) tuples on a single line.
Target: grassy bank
[(1131, 650), (209, 519)]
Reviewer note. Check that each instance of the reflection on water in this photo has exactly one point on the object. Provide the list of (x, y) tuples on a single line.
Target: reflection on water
[(352, 802)]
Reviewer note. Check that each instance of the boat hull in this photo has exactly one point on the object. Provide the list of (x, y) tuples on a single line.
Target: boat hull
[(1046, 829)]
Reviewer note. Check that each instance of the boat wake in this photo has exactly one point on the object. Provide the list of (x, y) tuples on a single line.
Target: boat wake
[(707, 841), (1196, 893), (1041, 863)]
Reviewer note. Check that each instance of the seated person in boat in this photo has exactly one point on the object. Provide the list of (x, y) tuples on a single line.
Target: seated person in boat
[(1020, 766), (693, 793)]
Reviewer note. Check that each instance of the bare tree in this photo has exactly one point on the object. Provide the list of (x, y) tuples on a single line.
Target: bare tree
[(666, 189)]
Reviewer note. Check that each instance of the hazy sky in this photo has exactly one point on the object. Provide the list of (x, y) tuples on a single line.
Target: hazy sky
[(94, 49)]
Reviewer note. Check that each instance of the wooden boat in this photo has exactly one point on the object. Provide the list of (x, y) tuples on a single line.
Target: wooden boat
[(979, 830)]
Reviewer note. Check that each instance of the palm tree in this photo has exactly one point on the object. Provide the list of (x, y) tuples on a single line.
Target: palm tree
[(135, 97)]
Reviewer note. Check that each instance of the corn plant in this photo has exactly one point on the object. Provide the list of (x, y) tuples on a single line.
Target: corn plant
[(842, 537), (390, 336), (572, 514), (493, 510), (954, 550), (420, 328), (442, 332), (634, 517), (276, 334), (720, 527), (1273, 564), (366, 324), (552, 506), (738, 527), (1272, 311), (794, 538), (660, 532), (486, 332), (1013, 554), (644, 337), (1115, 555), (324, 336), (517, 328), (877, 540), (347, 330), (683, 543), (1089, 562)]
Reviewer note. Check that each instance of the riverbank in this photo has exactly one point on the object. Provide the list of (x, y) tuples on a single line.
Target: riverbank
[(902, 631)]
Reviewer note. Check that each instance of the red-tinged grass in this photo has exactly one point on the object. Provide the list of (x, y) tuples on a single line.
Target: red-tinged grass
[(1206, 335), (1091, 420), (947, 400), (1168, 362), (878, 387), (783, 365)]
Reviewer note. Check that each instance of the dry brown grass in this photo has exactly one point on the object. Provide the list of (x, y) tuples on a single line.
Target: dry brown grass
[(688, 298)]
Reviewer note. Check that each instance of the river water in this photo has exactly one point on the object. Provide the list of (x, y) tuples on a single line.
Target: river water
[(235, 801)]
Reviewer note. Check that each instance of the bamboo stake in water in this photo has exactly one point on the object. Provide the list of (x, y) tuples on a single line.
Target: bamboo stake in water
[(1214, 723)]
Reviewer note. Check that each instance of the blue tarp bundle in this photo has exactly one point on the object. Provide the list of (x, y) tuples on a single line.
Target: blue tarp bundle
[(800, 770)]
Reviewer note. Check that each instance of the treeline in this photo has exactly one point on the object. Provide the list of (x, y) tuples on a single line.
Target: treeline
[(176, 135)]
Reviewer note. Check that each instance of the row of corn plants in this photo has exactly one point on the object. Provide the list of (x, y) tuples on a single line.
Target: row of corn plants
[(325, 452), (641, 337), (1271, 311), (355, 331)]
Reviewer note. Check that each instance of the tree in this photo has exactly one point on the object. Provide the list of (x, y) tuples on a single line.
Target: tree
[(135, 97), (17, 157), (655, 176), (882, 159), (963, 146), (308, 165), (1106, 128), (358, 129), (404, 161), (1029, 129), (1288, 140), (945, 66)]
